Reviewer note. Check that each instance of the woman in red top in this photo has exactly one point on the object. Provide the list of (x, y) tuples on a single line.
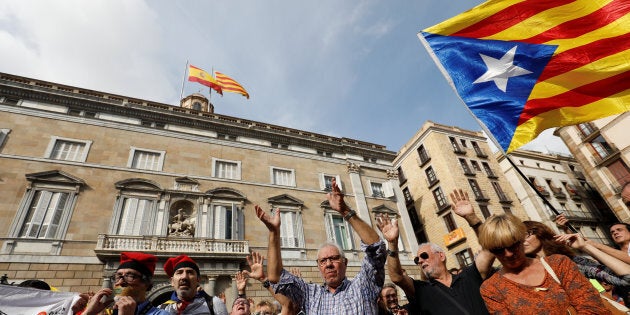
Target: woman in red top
[(523, 286)]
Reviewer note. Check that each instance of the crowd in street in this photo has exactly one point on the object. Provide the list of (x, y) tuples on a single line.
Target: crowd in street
[(540, 272)]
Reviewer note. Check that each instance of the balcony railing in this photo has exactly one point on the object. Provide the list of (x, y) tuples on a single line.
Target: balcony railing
[(543, 191), (108, 244), (574, 193), (503, 198), (491, 174), (611, 155), (480, 196), (459, 150), (558, 193)]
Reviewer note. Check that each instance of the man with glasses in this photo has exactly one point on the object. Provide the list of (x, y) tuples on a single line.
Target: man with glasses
[(443, 293), (132, 280), (240, 306), (338, 294), (188, 298)]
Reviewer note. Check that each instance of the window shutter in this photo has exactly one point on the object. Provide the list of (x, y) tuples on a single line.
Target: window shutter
[(329, 227), (240, 234), (388, 189), (322, 181), (338, 182)]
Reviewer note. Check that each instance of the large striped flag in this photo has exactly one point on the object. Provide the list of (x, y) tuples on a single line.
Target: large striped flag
[(200, 76), (230, 85), (525, 66)]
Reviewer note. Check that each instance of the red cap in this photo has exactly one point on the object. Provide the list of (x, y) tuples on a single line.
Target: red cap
[(180, 261), (143, 263)]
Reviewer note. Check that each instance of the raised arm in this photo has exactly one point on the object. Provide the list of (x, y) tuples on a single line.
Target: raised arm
[(463, 208), (364, 230), (274, 260), (390, 231), (619, 254), (578, 242)]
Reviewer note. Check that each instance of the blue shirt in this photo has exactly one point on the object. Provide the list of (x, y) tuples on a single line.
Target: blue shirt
[(357, 296)]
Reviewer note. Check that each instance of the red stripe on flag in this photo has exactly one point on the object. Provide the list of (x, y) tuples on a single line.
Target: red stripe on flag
[(577, 97), (585, 54), (508, 17), (577, 27)]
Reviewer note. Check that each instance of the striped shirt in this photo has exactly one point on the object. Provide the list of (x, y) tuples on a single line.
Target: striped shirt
[(357, 296)]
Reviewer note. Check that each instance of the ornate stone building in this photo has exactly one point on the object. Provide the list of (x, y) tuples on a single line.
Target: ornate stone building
[(602, 147), (437, 160), (85, 175)]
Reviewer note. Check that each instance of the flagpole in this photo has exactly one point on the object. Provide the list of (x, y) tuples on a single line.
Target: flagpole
[(181, 94)]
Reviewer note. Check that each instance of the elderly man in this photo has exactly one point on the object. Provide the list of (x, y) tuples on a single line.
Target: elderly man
[(444, 293), (240, 306), (338, 295), (188, 299), (388, 301), (132, 280)]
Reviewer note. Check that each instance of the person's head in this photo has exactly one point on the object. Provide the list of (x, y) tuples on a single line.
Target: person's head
[(332, 264), (620, 233), (134, 274), (432, 259), (503, 235), (607, 286), (240, 307), (625, 194), (34, 283), (184, 273), (389, 296), (265, 307), (540, 241)]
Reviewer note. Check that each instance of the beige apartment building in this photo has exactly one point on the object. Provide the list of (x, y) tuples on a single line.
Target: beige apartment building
[(437, 160), (86, 175), (602, 147), (561, 181)]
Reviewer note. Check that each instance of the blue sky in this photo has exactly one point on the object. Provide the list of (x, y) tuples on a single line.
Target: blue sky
[(344, 68)]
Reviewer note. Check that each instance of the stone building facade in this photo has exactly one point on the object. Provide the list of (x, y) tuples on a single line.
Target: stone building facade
[(86, 175), (602, 147), (437, 160)]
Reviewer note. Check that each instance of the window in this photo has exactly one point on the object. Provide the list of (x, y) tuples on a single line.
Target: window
[(146, 159), (418, 226), (586, 129), (450, 222), (500, 193), (401, 176), (45, 210), (223, 221), (424, 156), (475, 166), (465, 167), (325, 182), (68, 149), (601, 147), (465, 258), (479, 196), (488, 170), (224, 218), (463, 141), (407, 195), (226, 169), (507, 210), (135, 217), (377, 189), (282, 177), (339, 230), (485, 211), (440, 199), (196, 106), (480, 152), (431, 177), (456, 147), (291, 234), (4, 133)]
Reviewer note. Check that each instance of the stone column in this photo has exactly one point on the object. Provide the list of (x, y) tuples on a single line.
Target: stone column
[(209, 287), (357, 190), (412, 242)]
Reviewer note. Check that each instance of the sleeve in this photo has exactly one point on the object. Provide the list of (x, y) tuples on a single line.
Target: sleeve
[(292, 287), (595, 270), (582, 295), (371, 277), (495, 302), (218, 306)]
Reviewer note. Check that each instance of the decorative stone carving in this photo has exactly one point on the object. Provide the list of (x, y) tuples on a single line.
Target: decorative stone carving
[(353, 168), (182, 224), (392, 174)]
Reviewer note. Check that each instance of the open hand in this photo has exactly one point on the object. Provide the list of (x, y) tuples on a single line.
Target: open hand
[(388, 227), (271, 222), (255, 262)]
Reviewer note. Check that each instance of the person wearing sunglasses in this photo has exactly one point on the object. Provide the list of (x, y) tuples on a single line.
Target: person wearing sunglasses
[(444, 292), (527, 285), (338, 294)]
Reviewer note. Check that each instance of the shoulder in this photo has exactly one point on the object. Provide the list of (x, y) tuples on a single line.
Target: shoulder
[(491, 283)]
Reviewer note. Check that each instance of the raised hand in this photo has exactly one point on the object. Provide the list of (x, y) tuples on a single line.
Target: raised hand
[(574, 240), (461, 203), (561, 220), (296, 272), (241, 281), (335, 199), (255, 262), (388, 227), (271, 222)]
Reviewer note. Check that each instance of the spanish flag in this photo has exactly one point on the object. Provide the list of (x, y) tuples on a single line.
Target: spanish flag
[(522, 66), (230, 85), (200, 76)]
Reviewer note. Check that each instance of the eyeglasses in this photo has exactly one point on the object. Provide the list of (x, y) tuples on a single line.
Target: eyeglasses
[(241, 302), (129, 277), (263, 313), (333, 259), (423, 255), (500, 250)]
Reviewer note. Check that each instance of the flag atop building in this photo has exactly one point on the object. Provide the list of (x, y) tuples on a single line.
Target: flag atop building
[(202, 77), (230, 85), (524, 66)]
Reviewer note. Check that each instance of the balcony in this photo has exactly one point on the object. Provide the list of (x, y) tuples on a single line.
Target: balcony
[(542, 190), (612, 154), (458, 150), (503, 198), (579, 175), (588, 131), (491, 174), (558, 193), (111, 245), (480, 196), (574, 193), (480, 152)]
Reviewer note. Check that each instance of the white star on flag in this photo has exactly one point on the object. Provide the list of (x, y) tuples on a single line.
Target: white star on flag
[(500, 70)]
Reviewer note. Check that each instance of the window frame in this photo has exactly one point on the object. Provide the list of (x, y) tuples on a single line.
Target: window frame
[(52, 144), (329, 217), (132, 154), (297, 227), (323, 184), (273, 177), (215, 168)]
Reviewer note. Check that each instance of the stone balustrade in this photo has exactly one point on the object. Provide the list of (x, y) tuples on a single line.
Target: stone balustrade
[(170, 245)]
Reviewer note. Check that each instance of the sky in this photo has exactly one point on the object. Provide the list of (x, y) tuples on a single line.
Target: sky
[(351, 69)]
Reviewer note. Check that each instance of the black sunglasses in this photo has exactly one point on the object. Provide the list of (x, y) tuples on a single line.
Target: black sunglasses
[(500, 250), (423, 255)]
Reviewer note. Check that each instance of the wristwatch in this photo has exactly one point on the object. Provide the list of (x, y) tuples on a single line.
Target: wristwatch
[(350, 214), (266, 284), (391, 253)]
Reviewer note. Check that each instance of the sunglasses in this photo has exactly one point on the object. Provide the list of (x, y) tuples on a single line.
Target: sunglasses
[(423, 255), (500, 250)]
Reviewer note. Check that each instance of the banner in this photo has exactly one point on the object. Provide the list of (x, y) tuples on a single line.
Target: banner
[(28, 301)]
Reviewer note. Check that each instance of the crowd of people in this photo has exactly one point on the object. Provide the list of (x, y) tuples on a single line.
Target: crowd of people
[(540, 272)]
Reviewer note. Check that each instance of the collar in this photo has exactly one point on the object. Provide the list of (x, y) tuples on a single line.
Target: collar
[(178, 300), (344, 284)]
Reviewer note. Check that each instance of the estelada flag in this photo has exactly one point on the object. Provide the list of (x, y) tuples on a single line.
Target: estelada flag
[(200, 76), (524, 66), (230, 85)]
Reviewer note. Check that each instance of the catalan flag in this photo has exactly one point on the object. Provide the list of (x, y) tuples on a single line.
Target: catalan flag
[(524, 66), (230, 85), (200, 76)]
